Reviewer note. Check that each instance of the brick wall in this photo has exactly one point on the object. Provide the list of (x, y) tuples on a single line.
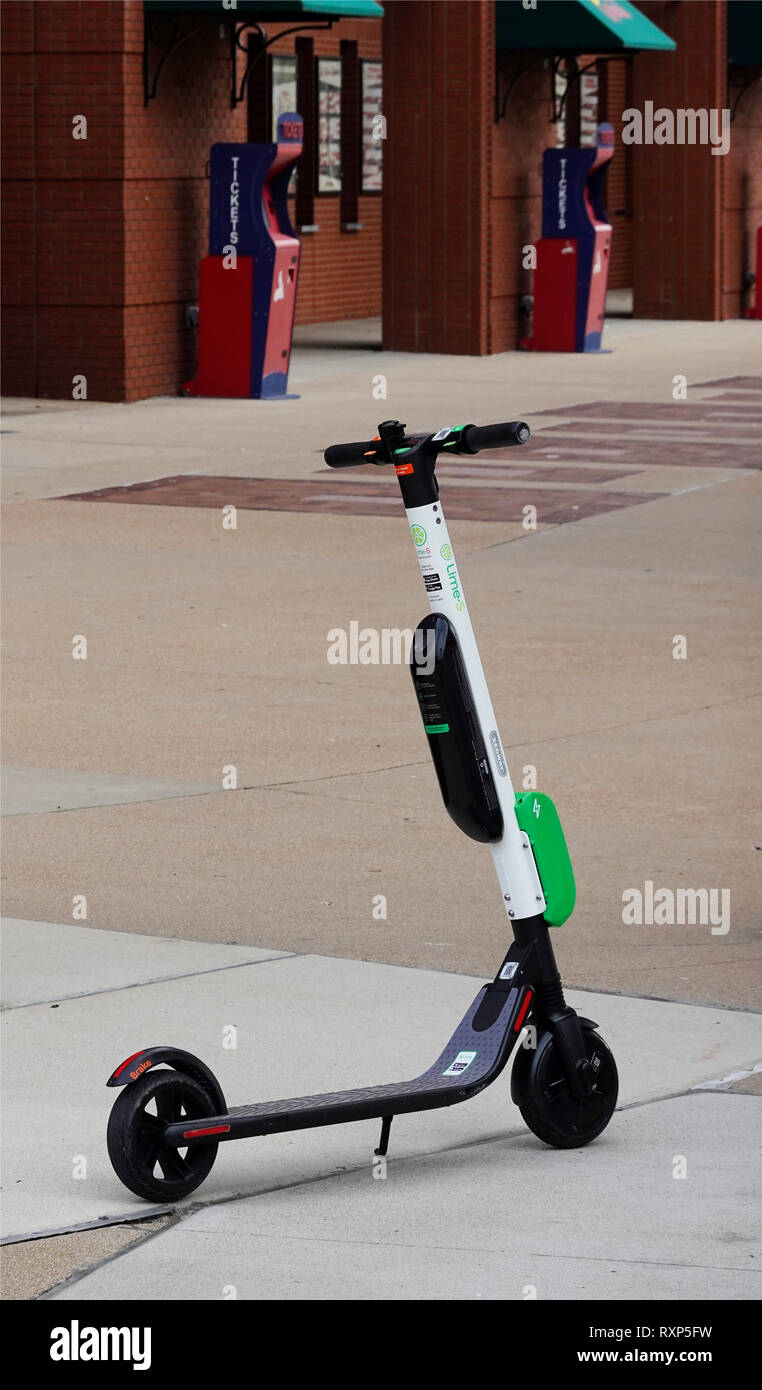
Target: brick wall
[(102, 237), (695, 215), (19, 222), (437, 65), (63, 234), (453, 273), (456, 246), (677, 189), (340, 272), (684, 220), (615, 83)]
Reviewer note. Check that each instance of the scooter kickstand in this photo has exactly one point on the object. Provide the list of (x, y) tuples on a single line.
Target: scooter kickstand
[(383, 1143)]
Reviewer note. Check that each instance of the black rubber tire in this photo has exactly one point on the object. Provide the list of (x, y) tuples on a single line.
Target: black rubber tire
[(541, 1090), (134, 1136)]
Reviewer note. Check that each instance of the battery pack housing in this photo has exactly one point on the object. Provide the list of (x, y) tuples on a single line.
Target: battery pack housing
[(453, 731)]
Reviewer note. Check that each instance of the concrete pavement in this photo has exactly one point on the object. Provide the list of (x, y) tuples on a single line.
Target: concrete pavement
[(503, 1222), (206, 652), (304, 1024)]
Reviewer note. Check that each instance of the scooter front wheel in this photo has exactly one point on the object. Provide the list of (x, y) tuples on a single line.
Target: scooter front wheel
[(541, 1090), (137, 1122)]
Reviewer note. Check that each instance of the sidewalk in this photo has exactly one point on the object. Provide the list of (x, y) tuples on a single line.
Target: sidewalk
[(206, 651), (472, 1206)]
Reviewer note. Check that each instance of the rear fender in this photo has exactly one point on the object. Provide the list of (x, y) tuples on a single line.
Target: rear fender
[(140, 1062)]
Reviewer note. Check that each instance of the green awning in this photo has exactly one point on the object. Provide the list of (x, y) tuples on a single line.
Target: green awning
[(577, 26), (272, 9)]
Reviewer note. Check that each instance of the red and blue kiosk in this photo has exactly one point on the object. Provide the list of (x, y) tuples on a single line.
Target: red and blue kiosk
[(574, 250), (247, 283)]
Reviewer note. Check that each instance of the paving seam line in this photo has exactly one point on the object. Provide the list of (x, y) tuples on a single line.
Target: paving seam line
[(142, 984), (101, 805), (525, 743), (181, 1213), (391, 965)]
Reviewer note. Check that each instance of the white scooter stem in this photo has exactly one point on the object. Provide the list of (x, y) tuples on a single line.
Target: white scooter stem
[(512, 855)]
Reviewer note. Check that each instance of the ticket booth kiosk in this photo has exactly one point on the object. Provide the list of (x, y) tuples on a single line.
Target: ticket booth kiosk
[(247, 283), (574, 250)]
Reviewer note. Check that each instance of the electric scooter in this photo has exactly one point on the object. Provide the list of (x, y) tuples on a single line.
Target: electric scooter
[(166, 1124)]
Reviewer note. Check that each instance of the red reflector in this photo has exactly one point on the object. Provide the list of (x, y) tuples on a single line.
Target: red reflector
[(119, 1070), (523, 1011), (214, 1129)]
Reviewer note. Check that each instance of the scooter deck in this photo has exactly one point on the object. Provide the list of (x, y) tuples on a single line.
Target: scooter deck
[(475, 1055)]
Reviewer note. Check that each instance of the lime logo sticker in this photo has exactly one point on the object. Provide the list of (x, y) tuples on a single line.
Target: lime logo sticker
[(418, 534), (446, 552), (452, 575), (463, 1060)]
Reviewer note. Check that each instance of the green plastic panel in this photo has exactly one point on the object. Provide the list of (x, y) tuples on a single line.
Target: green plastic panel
[(538, 818)]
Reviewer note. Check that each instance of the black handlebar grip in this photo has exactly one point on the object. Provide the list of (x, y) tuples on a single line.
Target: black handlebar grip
[(347, 455), (476, 437)]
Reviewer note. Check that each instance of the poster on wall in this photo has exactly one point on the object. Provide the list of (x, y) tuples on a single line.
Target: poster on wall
[(559, 101), (372, 143), (588, 108), (282, 88), (282, 96), (329, 125)]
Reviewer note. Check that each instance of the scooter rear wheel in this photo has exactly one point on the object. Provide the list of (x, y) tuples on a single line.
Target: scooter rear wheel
[(138, 1118), (541, 1090)]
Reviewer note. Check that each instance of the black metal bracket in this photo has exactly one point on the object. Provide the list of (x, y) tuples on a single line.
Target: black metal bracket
[(512, 80), (152, 40), (239, 35), (163, 35), (571, 71), (574, 76)]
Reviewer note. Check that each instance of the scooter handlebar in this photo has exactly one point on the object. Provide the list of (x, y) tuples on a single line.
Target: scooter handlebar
[(461, 439), (348, 455), (477, 437)]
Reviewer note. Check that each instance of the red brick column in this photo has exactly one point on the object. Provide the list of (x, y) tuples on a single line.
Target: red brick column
[(438, 80), (63, 262), (678, 189), (19, 222)]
